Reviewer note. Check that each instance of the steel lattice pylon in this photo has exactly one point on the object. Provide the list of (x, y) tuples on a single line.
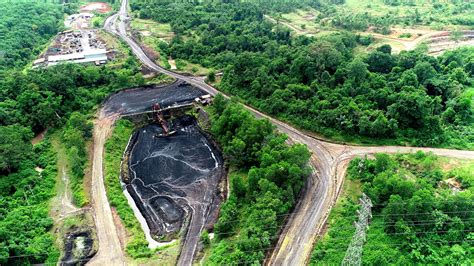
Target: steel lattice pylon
[(354, 251)]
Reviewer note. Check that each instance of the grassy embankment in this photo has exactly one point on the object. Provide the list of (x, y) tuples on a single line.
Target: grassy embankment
[(137, 246)]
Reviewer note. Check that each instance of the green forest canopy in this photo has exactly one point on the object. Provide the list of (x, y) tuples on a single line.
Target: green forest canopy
[(317, 84), (321, 84), (34, 100), (24, 28), (265, 180)]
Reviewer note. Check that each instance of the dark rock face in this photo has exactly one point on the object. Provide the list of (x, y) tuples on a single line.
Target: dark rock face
[(175, 178)]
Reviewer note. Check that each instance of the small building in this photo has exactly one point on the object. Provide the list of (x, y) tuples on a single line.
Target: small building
[(93, 55), (204, 100)]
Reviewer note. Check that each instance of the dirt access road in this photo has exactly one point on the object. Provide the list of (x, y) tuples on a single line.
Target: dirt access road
[(110, 251), (329, 162)]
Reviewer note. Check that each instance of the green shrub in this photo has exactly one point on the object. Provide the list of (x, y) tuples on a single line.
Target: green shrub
[(137, 247)]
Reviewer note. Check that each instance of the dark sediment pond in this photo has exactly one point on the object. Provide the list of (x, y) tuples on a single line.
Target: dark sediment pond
[(174, 180)]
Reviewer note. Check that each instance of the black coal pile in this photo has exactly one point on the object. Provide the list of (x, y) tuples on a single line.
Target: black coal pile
[(174, 179), (142, 99)]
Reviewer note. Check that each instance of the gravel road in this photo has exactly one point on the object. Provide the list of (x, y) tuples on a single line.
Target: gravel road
[(110, 251)]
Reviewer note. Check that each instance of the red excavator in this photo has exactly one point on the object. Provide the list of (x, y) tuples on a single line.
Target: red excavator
[(158, 115)]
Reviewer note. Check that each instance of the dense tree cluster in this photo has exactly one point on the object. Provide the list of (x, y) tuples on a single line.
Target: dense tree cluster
[(321, 84), (24, 205), (34, 100), (24, 28), (263, 190), (418, 216), (31, 102), (46, 97)]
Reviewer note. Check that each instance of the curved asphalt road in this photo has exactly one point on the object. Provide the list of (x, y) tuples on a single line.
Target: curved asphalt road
[(329, 162)]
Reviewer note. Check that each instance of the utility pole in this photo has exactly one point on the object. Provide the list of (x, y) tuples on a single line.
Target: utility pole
[(353, 255)]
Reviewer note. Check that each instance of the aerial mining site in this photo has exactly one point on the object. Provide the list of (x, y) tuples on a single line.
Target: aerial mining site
[(276, 132), (172, 171)]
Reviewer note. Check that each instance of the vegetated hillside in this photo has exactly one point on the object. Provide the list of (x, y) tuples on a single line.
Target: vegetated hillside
[(265, 180), (31, 102), (422, 213), (24, 199), (321, 84), (24, 28), (381, 15)]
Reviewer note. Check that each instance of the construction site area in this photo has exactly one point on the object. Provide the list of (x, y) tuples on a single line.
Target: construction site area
[(172, 171), (80, 43), (99, 7)]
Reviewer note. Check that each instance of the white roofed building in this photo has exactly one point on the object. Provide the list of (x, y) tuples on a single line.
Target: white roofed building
[(91, 55)]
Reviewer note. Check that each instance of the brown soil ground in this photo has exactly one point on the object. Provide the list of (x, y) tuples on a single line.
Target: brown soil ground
[(99, 7)]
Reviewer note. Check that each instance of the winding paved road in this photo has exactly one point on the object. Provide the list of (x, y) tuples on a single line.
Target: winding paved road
[(329, 162)]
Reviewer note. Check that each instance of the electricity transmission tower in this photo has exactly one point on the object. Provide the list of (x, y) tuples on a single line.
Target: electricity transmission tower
[(354, 251)]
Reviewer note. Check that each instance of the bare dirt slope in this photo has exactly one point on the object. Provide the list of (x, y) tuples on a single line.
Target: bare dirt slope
[(110, 251)]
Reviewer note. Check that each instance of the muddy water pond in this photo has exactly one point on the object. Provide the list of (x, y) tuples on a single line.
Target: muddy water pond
[(174, 180), (78, 248)]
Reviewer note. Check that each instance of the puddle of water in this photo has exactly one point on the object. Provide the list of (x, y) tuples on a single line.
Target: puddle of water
[(152, 243)]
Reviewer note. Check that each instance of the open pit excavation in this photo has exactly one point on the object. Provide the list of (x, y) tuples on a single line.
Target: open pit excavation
[(174, 181), (172, 178)]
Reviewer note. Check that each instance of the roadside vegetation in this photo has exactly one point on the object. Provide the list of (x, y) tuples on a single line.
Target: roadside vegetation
[(156, 37), (137, 246), (265, 180), (422, 211), (75, 136)]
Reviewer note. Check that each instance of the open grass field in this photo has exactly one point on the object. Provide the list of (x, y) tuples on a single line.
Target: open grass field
[(378, 8), (403, 27), (152, 31)]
